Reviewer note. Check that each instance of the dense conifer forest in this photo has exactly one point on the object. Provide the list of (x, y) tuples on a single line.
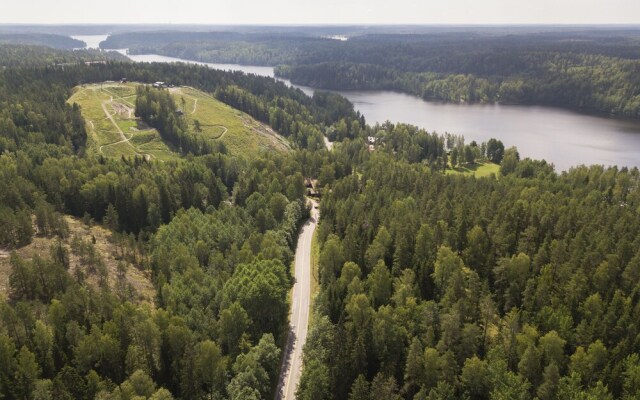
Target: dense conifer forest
[(594, 71), (42, 39), (213, 233), (446, 287), (519, 285), (16, 55)]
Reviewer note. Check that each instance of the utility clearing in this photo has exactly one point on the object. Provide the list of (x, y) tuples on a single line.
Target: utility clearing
[(114, 130)]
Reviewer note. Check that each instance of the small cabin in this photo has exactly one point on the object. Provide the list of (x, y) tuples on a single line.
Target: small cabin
[(159, 85), (312, 187), (179, 112), (123, 80)]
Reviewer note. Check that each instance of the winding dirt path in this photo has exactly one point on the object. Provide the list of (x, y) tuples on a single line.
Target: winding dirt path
[(124, 138), (118, 97), (224, 131), (195, 108)]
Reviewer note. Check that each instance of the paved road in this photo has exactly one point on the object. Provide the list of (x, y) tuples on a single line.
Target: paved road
[(299, 317), (328, 143)]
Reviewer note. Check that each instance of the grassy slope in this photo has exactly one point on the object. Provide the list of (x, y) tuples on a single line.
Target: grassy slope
[(108, 251), (104, 138), (243, 133), (477, 169), (240, 133)]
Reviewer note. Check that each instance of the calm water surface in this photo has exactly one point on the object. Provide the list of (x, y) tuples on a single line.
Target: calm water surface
[(249, 69), (92, 41), (562, 137)]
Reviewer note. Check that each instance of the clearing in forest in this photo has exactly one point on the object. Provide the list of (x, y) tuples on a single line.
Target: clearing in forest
[(120, 261), (241, 134), (479, 169), (114, 130)]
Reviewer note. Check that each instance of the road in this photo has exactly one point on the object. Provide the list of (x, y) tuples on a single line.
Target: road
[(300, 308), (328, 143)]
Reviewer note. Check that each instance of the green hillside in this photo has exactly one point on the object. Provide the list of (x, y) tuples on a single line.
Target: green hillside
[(114, 131), (478, 169)]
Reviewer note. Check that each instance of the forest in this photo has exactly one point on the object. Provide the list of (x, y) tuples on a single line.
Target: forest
[(592, 71), (519, 285), (213, 233), (42, 39), (15, 55), (446, 287)]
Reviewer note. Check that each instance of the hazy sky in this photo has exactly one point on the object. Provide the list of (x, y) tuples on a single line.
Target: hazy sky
[(322, 11)]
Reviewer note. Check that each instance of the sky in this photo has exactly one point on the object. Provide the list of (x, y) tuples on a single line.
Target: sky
[(297, 12)]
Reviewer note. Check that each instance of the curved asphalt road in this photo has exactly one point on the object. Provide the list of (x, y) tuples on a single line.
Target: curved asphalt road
[(299, 317)]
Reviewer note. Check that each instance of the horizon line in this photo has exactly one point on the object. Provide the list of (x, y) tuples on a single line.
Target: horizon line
[(322, 24)]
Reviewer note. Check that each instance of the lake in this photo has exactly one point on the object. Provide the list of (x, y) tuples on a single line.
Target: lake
[(249, 69), (92, 41), (562, 137)]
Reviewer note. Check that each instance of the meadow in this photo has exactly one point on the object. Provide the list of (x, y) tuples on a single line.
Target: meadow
[(115, 131)]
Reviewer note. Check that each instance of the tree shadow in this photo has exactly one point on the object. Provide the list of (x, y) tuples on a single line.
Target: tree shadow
[(285, 367), (468, 168)]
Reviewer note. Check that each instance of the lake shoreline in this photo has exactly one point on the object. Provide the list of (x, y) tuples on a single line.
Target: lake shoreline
[(564, 137), (592, 113), (277, 76)]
